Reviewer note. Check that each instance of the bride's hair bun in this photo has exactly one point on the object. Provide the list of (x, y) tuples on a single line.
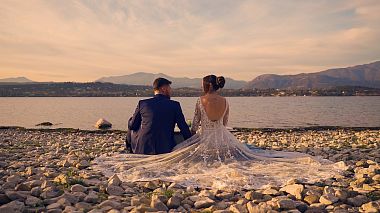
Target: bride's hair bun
[(220, 81), (216, 83)]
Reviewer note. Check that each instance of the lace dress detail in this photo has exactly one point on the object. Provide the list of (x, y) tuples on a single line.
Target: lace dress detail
[(213, 157), (197, 117)]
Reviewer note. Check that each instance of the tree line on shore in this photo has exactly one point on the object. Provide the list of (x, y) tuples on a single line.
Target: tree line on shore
[(97, 89)]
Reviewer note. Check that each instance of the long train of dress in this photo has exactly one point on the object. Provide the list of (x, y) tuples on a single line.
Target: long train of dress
[(214, 158)]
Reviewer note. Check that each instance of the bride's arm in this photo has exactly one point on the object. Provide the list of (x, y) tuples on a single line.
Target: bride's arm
[(225, 118), (196, 119)]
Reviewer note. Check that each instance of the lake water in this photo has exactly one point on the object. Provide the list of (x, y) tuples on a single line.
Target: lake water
[(251, 112)]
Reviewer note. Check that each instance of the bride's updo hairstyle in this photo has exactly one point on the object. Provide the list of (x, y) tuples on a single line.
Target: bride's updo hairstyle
[(216, 83)]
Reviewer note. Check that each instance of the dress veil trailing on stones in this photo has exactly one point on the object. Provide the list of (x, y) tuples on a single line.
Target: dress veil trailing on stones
[(214, 158)]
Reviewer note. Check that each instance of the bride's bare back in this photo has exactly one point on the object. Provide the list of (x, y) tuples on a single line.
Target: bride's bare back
[(214, 105)]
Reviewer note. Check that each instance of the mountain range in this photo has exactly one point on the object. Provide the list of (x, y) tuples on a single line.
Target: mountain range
[(16, 80), (366, 75), (143, 78)]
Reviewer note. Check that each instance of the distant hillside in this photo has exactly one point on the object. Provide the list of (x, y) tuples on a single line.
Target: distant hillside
[(142, 78), (16, 80), (97, 89), (367, 75)]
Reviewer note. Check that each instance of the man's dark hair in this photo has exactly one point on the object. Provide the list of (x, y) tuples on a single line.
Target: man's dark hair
[(159, 82)]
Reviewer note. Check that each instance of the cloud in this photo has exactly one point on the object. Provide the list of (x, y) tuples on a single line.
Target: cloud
[(84, 40)]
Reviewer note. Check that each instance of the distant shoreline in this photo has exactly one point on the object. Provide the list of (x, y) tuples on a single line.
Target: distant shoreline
[(71, 89)]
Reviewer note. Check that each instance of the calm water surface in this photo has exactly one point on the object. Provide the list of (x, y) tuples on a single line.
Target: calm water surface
[(252, 112)]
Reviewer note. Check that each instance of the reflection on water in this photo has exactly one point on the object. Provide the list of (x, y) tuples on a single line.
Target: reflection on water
[(260, 112)]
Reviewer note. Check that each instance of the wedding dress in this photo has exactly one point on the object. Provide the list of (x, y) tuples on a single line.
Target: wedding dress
[(214, 158)]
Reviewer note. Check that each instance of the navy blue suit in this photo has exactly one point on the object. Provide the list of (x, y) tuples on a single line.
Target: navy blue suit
[(153, 125)]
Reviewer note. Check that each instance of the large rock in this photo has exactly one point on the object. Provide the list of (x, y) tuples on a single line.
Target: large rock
[(50, 192), (204, 202), (77, 188), (225, 195), (174, 186), (114, 180), (310, 199), (72, 198), (252, 195), (301, 206), (82, 164), (36, 191), (286, 204), (83, 206), (261, 207), (328, 190), (137, 201), (376, 178), (14, 207), (294, 189), (371, 207), (54, 206), (271, 191), (3, 164), (111, 203), (103, 124), (158, 204), (23, 187), (14, 178), (34, 183), (328, 199), (64, 202), (207, 193), (358, 200), (115, 190), (13, 195), (32, 201), (161, 197), (174, 202), (222, 205), (4, 199), (342, 194), (238, 208), (92, 197), (316, 207), (46, 123)]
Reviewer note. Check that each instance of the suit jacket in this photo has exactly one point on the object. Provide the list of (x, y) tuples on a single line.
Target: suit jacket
[(154, 122)]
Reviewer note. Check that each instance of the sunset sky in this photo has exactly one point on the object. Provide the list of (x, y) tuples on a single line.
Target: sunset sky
[(67, 40)]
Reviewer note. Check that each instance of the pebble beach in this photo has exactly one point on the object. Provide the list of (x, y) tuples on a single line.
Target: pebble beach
[(50, 170)]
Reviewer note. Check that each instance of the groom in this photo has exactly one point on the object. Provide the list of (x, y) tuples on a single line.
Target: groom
[(151, 128)]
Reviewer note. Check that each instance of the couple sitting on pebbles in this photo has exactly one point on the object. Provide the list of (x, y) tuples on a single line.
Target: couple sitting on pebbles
[(210, 155)]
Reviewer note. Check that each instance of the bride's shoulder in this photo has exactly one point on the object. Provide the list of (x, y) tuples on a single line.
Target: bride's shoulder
[(223, 98), (201, 98), (225, 101)]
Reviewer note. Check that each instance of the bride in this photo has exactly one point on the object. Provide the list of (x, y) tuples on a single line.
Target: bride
[(214, 158)]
